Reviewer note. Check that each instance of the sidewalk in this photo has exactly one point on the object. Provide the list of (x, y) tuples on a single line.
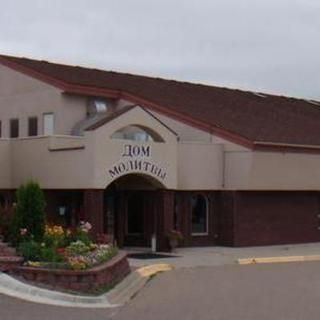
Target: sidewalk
[(218, 256)]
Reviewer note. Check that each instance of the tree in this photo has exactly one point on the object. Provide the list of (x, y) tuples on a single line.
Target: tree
[(29, 213)]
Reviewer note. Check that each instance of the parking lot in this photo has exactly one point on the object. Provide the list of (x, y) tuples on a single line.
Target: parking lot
[(270, 291)]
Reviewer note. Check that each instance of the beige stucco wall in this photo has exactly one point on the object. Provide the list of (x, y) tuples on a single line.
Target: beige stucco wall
[(32, 159), (187, 166), (237, 166), (109, 152), (92, 161), (5, 164), (191, 160), (48, 161), (284, 171), (23, 97), (200, 166)]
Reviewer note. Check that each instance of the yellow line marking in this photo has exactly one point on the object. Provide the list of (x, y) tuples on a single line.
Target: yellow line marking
[(278, 259)]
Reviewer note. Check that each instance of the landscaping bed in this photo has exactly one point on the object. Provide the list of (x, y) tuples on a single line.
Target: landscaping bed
[(102, 276), (69, 260), (56, 255)]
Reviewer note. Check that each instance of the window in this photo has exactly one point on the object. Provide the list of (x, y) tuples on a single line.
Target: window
[(199, 207), (137, 133), (133, 133), (48, 124), (32, 126), (2, 201), (14, 128)]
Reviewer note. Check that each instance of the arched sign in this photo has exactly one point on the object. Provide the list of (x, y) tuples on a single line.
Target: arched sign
[(137, 158)]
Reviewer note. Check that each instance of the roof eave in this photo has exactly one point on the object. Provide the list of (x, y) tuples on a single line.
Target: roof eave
[(285, 147)]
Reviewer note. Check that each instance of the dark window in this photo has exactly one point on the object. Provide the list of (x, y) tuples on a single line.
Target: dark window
[(176, 213), (199, 206), (33, 126), (2, 201), (14, 128)]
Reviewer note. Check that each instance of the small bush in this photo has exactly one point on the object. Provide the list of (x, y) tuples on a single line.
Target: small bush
[(29, 212), (48, 254), (30, 250), (83, 237)]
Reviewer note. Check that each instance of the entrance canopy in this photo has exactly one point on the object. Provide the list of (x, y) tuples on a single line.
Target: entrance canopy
[(134, 142), (133, 211)]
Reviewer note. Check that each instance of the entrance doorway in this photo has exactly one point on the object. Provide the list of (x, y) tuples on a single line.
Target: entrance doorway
[(131, 210), (135, 214)]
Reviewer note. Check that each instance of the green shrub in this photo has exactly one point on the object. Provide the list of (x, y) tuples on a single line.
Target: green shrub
[(29, 212), (49, 254), (30, 250), (106, 255), (83, 237)]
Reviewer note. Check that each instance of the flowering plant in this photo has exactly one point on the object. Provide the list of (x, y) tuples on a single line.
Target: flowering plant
[(63, 248), (86, 260), (54, 236), (54, 231), (77, 247), (85, 226), (77, 263)]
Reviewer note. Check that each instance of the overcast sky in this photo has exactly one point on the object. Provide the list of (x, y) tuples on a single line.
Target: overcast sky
[(261, 45)]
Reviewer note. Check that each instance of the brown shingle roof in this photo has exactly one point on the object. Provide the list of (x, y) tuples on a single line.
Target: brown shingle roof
[(249, 116)]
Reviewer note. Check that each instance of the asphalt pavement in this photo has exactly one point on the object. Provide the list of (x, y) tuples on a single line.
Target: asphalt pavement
[(286, 291)]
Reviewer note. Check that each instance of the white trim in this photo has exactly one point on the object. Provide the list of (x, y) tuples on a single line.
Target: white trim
[(45, 126)]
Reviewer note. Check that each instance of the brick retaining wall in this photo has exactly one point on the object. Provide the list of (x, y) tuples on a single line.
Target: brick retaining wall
[(105, 275)]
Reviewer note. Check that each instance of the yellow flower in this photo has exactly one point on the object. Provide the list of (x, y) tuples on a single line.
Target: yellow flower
[(33, 263)]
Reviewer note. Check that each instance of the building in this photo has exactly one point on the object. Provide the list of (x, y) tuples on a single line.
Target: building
[(139, 156)]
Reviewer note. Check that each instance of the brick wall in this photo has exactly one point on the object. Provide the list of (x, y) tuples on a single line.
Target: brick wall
[(266, 218), (104, 275)]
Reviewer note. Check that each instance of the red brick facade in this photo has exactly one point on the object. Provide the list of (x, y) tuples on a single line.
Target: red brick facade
[(235, 218)]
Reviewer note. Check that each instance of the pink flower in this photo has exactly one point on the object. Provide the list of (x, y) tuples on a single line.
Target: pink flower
[(85, 226), (88, 226)]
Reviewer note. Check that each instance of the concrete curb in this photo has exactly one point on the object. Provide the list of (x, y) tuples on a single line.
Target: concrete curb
[(282, 259), (135, 282), (118, 296)]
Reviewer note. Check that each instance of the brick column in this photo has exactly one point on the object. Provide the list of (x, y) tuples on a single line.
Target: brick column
[(93, 209), (165, 218)]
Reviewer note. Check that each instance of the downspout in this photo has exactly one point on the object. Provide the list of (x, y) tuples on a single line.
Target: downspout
[(223, 156)]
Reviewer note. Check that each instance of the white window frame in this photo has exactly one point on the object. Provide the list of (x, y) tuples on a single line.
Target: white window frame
[(44, 121), (206, 233)]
